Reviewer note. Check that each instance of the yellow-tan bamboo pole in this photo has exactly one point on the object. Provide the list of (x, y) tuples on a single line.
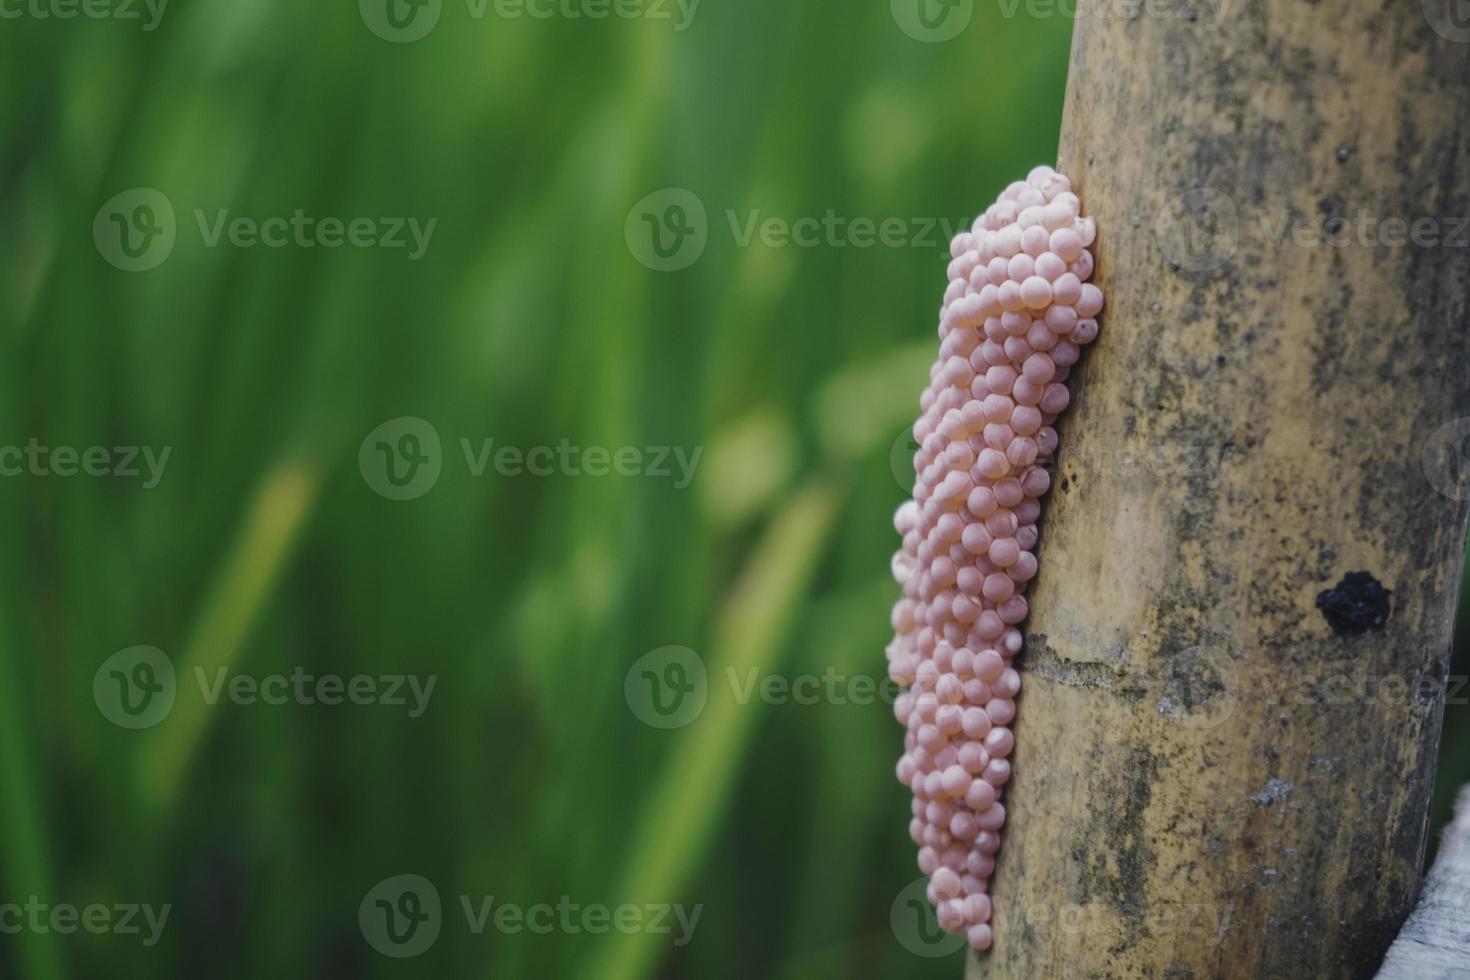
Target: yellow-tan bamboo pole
[(1216, 776)]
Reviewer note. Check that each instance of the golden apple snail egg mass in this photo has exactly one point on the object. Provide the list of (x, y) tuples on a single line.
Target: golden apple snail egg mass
[(1017, 312)]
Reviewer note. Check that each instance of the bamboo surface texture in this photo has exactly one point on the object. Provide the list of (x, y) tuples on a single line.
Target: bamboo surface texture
[(1237, 658)]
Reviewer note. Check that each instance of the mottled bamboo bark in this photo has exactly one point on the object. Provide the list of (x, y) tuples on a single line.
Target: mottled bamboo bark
[(1217, 775)]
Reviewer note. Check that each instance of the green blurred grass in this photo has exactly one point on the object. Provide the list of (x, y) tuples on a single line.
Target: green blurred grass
[(528, 321)]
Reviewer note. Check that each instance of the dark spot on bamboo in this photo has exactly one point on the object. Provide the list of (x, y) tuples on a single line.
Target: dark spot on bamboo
[(1355, 605)]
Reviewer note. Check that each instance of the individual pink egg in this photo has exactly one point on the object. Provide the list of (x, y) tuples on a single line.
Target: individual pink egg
[(998, 587), (1067, 244), (998, 772), (1062, 319), (1083, 267), (976, 724), (1091, 301), (999, 743), (1001, 379), (982, 502), (1034, 240), (1067, 291), (1024, 570), (998, 436), (993, 464), (1014, 323), (1014, 609), (1040, 337), (1001, 710), (1002, 523), (1036, 482), (982, 866), (1026, 421), (1020, 267), (989, 665), (1017, 350), (980, 796), (994, 818), (1027, 392), (1008, 492), (1021, 452), (1038, 369)]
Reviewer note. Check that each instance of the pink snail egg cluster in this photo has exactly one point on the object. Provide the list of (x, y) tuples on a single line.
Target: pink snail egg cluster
[(1018, 309)]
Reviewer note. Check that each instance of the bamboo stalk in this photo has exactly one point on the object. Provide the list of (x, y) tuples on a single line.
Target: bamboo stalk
[(1217, 776)]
